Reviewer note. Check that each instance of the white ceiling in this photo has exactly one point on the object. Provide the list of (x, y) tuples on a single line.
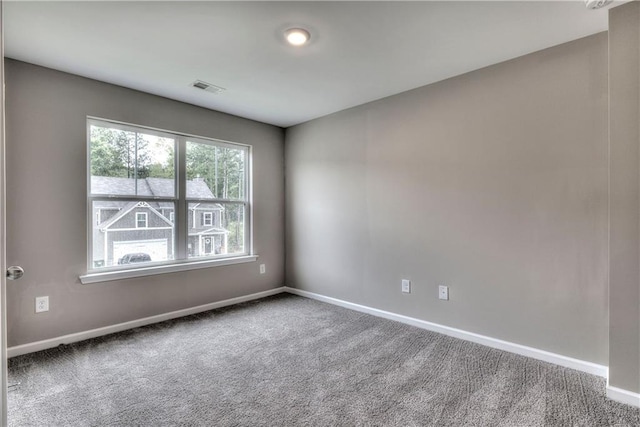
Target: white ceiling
[(359, 51)]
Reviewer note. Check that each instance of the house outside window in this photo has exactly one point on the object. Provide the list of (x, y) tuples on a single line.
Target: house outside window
[(147, 214)]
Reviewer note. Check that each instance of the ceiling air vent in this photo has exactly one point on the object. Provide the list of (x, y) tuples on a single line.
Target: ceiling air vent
[(199, 84), (597, 4)]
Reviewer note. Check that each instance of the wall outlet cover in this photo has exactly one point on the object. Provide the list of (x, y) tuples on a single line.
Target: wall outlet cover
[(443, 292), (42, 304), (406, 286)]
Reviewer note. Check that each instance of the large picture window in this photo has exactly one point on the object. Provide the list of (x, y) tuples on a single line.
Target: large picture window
[(158, 197)]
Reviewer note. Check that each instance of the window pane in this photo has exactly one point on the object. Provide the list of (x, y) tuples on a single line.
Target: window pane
[(133, 194), (216, 229), (131, 163), (132, 232), (220, 168)]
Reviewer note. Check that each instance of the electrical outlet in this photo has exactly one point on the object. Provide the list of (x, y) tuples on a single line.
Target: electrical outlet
[(443, 292), (406, 286), (42, 304), (263, 268)]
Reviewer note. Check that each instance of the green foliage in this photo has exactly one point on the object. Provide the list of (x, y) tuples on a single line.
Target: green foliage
[(165, 169), (120, 153), (221, 168), (111, 152), (105, 160), (234, 224)]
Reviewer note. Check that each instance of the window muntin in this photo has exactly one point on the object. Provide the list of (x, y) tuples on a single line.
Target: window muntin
[(134, 183), (207, 219), (228, 236), (142, 219), (129, 161), (221, 167), (121, 234)]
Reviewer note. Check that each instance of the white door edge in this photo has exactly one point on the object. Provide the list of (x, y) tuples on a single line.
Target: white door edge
[(3, 266)]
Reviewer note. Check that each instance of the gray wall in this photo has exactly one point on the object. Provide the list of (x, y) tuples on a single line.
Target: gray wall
[(46, 172), (494, 183), (624, 292)]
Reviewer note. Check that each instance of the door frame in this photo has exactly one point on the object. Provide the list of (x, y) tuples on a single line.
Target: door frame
[(3, 266)]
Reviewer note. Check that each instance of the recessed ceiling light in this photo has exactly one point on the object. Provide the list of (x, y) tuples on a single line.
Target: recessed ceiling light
[(297, 36)]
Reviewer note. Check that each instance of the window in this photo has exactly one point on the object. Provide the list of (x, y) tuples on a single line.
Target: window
[(207, 219), (141, 219), (219, 176), (156, 184)]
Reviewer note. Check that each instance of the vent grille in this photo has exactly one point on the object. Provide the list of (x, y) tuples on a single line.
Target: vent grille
[(199, 84)]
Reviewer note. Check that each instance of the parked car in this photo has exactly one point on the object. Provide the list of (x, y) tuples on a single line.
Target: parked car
[(135, 257)]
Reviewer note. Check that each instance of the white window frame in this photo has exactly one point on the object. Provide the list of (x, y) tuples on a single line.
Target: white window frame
[(207, 219), (145, 219), (181, 261)]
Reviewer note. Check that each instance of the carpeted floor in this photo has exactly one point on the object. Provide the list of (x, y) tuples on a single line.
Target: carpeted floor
[(291, 361)]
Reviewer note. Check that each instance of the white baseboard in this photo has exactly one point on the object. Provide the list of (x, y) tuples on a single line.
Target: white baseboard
[(569, 362), (614, 393), (546, 356), (93, 333), (623, 396)]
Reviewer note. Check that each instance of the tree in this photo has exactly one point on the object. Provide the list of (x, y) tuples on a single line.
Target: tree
[(221, 168), (142, 156), (105, 159), (119, 153), (165, 169)]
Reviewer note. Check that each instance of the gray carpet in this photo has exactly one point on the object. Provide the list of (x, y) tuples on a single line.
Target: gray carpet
[(291, 361)]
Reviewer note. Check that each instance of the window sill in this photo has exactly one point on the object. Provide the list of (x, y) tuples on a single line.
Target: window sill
[(107, 276)]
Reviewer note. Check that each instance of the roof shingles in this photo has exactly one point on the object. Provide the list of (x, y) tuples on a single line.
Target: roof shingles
[(148, 187)]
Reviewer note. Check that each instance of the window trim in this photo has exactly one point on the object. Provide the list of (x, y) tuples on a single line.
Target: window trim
[(181, 261), (106, 275), (208, 215), (145, 220)]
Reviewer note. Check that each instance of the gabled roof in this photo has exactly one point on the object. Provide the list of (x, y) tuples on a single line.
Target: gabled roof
[(198, 189), (131, 206), (204, 206), (212, 230), (148, 187), (161, 187)]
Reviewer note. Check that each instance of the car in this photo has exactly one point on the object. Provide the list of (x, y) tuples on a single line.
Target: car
[(134, 257)]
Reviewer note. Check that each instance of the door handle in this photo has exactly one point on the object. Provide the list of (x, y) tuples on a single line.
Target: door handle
[(15, 272)]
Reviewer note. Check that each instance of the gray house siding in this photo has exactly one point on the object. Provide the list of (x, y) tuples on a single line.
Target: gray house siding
[(116, 230)]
